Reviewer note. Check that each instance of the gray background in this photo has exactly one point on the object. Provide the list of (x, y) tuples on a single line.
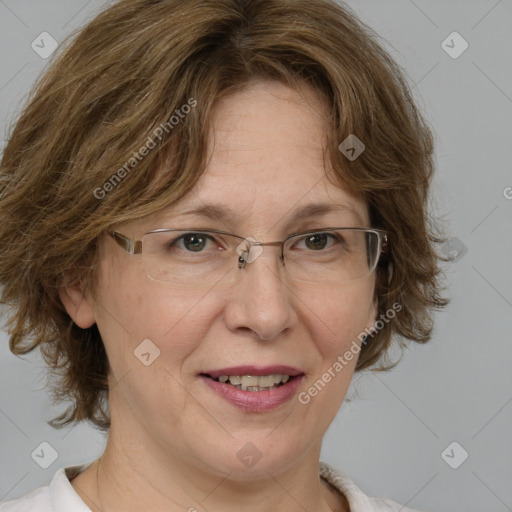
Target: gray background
[(391, 435)]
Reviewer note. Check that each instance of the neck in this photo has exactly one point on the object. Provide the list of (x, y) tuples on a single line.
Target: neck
[(131, 476)]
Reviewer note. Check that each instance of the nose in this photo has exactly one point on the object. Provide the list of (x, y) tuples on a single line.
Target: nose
[(260, 299)]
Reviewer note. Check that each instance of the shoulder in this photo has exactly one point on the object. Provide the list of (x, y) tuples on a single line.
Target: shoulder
[(357, 499), (59, 496)]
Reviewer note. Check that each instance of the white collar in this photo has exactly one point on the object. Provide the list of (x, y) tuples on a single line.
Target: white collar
[(64, 498)]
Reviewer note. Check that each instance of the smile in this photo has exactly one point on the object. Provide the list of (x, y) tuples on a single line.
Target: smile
[(253, 382), (252, 388)]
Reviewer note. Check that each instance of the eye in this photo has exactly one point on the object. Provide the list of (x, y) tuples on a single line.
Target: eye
[(193, 242), (318, 241)]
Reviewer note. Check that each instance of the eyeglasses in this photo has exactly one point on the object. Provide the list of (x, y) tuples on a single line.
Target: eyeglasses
[(186, 257)]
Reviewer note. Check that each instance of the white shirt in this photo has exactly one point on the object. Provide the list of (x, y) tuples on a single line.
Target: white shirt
[(60, 496)]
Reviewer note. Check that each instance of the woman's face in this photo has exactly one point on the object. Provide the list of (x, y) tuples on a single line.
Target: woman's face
[(266, 165)]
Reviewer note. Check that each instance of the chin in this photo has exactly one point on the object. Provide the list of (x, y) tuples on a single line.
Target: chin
[(252, 459)]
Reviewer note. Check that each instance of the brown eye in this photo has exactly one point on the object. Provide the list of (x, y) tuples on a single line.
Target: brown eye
[(316, 242), (194, 242)]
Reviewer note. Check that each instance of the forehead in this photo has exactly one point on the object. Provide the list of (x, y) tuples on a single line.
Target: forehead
[(267, 134), (266, 162), (267, 151)]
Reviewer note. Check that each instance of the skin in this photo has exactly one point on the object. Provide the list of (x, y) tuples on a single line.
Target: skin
[(173, 442)]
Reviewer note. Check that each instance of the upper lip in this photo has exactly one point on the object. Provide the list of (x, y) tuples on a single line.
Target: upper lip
[(254, 371)]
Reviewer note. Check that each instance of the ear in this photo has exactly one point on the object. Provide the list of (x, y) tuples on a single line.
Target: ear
[(78, 305)]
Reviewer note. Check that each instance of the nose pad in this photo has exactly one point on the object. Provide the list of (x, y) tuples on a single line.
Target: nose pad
[(248, 251), (243, 250), (242, 259)]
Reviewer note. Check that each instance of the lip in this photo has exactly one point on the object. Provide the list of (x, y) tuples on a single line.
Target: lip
[(255, 401)]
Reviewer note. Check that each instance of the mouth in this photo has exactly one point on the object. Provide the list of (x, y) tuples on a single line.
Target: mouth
[(253, 382), (255, 388)]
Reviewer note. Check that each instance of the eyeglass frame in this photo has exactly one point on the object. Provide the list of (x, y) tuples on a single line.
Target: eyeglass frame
[(133, 246)]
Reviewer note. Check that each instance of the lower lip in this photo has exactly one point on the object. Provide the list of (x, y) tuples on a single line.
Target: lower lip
[(256, 401)]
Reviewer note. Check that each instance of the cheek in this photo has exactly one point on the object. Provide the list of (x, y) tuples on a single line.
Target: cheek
[(338, 315), (149, 333), (131, 309), (336, 318)]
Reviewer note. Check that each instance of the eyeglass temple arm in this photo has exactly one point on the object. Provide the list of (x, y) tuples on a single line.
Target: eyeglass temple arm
[(129, 245)]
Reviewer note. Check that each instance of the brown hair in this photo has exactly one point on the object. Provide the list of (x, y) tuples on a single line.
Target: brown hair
[(118, 84)]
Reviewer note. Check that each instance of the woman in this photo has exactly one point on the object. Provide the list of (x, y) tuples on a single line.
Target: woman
[(214, 214)]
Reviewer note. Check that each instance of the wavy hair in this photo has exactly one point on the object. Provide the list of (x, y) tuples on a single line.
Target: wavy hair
[(121, 79)]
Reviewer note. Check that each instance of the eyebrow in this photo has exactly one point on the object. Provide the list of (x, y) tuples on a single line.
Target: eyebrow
[(225, 213)]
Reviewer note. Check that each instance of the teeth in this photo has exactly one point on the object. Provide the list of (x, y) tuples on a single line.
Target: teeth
[(236, 380), (265, 381), (248, 381), (253, 382)]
